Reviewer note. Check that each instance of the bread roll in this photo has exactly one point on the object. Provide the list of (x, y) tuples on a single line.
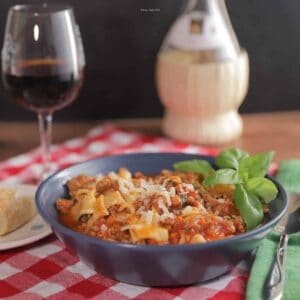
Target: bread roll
[(16, 207)]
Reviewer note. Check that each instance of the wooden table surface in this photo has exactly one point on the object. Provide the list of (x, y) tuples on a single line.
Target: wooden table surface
[(278, 131)]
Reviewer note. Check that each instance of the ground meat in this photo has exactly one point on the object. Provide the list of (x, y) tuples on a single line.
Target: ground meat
[(104, 185), (64, 205), (168, 221), (80, 182), (138, 203), (139, 175)]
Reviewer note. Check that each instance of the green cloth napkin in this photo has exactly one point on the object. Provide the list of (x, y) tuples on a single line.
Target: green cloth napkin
[(262, 264), (289, 176)]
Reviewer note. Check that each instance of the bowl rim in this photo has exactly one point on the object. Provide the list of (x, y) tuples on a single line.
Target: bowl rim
[(54, 223)]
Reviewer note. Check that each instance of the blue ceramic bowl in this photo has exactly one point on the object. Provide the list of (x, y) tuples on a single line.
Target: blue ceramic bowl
[(150, 265)]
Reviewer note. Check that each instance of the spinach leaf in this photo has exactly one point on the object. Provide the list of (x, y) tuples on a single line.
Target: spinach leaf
[(223, 176), (256, 165), (231, 158), (197, 166), (263, 188), (249, 206)]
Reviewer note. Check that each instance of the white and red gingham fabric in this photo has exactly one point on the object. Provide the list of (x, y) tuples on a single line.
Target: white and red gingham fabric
[(47, 270)]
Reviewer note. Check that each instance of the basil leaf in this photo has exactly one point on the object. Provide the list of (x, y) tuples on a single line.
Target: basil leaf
[(263, 188), (223, 176), (256, 165), (197, 166), (249, 206), (231, 158), (243, 175)]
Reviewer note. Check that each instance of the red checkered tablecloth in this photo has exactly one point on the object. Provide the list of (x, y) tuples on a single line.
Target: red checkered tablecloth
[(47, 270)]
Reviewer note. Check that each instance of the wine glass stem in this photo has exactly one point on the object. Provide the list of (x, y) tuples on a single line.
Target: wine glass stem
[(45, 128)]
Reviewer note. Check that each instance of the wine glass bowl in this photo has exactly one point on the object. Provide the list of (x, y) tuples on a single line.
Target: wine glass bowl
[(50, 90), (42, 62)]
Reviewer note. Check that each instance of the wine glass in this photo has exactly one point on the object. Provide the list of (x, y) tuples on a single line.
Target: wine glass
[(42, 63)]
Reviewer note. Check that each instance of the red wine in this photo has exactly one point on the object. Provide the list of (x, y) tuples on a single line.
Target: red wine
[(43, 85)]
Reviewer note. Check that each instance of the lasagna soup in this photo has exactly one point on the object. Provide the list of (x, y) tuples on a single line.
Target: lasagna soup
[(167, 208)]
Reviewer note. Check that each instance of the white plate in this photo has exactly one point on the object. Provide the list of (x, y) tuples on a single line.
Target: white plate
[(32, 231)]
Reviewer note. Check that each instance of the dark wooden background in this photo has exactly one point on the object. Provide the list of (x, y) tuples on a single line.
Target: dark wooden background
[(121, 42)]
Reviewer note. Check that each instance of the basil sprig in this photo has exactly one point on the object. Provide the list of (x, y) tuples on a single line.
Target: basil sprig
[(246, 172), (231, 158), (222, 176), (249, 206), (197, 166)]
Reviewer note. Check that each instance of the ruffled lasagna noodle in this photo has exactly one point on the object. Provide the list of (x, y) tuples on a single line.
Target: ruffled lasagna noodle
[(168, 208)]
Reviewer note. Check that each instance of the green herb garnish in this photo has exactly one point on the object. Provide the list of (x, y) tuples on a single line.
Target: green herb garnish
[(246, 172), (223, 176), (197, 166), (249, 205)]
